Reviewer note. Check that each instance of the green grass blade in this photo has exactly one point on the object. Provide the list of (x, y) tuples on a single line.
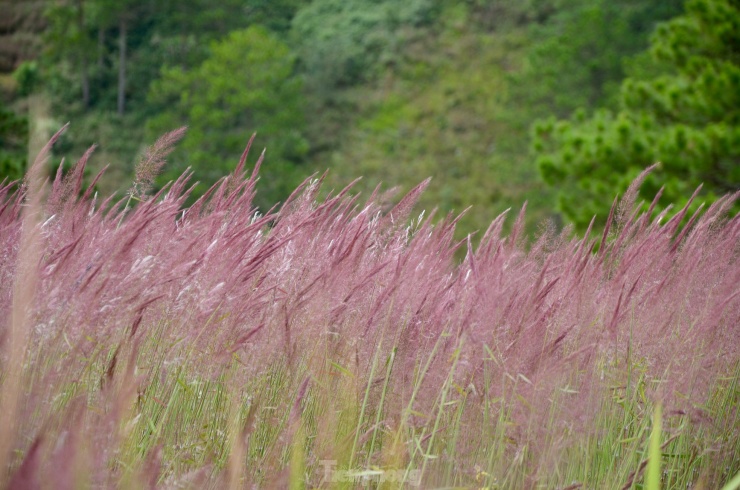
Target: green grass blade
[(652, 478), (733, 484)]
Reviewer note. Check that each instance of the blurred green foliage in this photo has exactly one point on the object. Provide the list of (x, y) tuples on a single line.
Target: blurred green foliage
[(399, 91), (345, 42), (688, 118), (579, 59), (439, 114), (246, 84), (13, 141), (27, 77)]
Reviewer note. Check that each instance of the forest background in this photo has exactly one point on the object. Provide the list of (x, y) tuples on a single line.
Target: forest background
[(557, 102)]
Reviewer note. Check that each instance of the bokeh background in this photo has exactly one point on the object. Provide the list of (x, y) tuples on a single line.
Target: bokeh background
[(560, 103)]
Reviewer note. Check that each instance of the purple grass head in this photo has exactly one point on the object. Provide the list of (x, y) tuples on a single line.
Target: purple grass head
[(217, 284)]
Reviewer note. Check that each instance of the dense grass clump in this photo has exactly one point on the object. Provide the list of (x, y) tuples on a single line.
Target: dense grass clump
[(331, 344)]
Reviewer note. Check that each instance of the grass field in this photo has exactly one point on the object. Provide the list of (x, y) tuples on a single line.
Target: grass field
[(329, 344)]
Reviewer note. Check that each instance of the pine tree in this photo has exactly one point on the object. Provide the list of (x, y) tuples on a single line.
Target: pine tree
[(687, 118)]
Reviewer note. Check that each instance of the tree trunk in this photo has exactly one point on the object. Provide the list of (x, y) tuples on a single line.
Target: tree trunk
[(122, 67), (85, 84), (101, 47), (83, 57)]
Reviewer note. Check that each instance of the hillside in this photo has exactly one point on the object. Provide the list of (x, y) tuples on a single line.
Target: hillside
[(439, 88)]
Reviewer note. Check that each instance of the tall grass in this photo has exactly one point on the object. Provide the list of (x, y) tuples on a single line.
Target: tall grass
[(330, 344)]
